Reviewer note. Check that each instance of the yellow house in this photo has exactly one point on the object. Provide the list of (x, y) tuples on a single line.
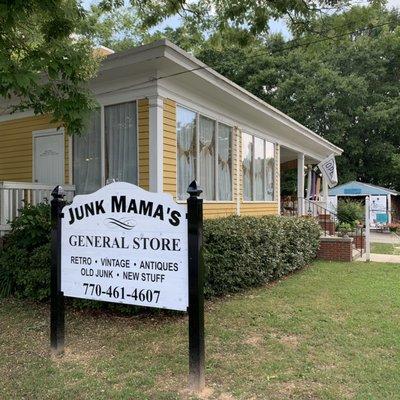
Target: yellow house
[(164, 118)]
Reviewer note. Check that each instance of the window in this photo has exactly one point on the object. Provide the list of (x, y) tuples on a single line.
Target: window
[(204, 152), (224, 162), (247, 166), (258, 169), (269, 171), (121, 142), (120, 149), (186, 149), (207, 157), (87, 157)]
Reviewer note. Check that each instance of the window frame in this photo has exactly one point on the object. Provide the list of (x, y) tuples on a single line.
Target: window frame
[(254, 136), (102, 107), (217, 121)]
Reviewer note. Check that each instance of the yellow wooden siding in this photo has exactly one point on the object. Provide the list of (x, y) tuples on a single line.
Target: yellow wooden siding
[(16, 148), (143, 123), (169, 147), (217, 210), (257, 209)]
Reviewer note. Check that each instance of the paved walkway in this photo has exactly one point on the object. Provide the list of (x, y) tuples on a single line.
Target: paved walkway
[(381, 237), (386, 258)]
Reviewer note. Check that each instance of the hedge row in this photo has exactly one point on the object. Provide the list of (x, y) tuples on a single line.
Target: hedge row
[(239, 252), (243, 252)]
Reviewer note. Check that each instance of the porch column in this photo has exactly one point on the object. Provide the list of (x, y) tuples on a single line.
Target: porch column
[(300, 183), (156, 144), (325, 192), (309, 170)]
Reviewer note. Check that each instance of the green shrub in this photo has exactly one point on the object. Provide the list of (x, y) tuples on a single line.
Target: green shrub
[(345, 228), (239, 252), (32, 228), (350, 212)]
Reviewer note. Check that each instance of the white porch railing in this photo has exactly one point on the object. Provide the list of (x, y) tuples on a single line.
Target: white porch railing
[(13, 196)]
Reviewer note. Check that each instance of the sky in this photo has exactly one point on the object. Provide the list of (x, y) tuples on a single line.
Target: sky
[(276, 26)]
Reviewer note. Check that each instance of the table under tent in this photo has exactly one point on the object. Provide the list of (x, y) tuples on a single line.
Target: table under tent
[(384, 203)]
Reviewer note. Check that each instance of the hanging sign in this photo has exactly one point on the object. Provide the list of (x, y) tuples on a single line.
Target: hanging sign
[(123, 244), (329, 170)]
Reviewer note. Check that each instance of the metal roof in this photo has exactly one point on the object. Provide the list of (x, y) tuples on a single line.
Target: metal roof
[(355, 188)]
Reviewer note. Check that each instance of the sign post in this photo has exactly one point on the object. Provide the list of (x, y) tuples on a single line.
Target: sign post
[(123, 244), (196, 289), (57, 315)]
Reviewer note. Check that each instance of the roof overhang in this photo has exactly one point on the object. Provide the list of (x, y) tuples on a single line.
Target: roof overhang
[(167, 64)]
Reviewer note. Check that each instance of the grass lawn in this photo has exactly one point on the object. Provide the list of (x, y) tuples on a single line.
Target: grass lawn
[(382, 248), (330, 331)]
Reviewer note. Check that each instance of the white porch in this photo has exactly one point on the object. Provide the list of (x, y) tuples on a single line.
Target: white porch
[(310, 199), (14, 195)]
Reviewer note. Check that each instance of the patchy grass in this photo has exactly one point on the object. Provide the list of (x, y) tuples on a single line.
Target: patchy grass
[(383, 248), (327, 332)]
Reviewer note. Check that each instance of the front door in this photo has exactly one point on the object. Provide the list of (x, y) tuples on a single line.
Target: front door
[(48, 157)]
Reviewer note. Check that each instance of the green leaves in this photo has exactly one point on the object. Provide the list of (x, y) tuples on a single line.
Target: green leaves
[(242, 252), (44, 63), (343, 86)]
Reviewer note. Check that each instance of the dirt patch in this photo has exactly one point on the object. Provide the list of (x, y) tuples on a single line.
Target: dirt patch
[(292, 389), (225, 396), (254, 340), (206, 394), (290, 340)]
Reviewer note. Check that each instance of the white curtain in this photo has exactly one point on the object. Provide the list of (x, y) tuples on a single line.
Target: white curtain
[(121, 142), (186, 149), (207, 157), (247, 166), (269, 171), (224, 162), (87, 157), (259, 155)]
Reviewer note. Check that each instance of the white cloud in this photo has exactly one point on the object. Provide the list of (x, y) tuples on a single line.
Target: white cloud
[(393, 3)]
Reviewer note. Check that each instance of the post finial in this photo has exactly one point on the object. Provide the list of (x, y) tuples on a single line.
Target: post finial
[(194, 189), (58, 192)]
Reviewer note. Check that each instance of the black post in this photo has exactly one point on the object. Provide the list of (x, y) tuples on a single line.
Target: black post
[(57, 297), (196, 289)]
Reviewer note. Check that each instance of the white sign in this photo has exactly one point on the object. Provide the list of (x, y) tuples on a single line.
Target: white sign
[(123, 244), (329, 170), (378, 210)]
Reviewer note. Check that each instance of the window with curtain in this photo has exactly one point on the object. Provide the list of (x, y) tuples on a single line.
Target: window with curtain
[(224, 162), (207, 157), (259, 155), (87, 157), (121, 142), (204, 152), (258, 168), (186, 150), (247, 166), (269, 171)]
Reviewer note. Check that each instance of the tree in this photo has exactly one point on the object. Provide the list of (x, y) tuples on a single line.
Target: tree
[(251, 15), (43, 67), (344, 86), (46, 46)]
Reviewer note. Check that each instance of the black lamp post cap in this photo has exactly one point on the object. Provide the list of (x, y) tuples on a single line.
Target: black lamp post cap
[(58, 192), (194, 189)]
